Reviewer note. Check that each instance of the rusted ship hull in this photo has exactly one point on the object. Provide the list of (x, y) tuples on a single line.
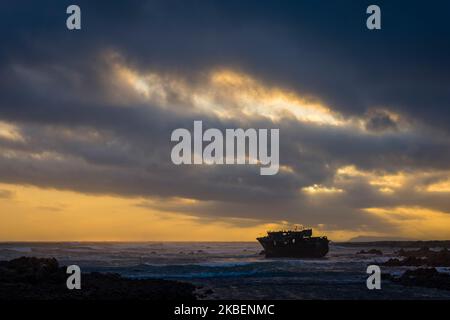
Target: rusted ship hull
[(306, 248)]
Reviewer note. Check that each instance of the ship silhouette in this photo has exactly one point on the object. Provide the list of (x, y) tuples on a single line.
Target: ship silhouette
[(294, 244)]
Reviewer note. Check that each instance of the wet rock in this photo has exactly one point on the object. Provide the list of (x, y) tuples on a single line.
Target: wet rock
[(31, 270), (423, 277), (209, 291), (422, 252), (410, 261), (423, 256), (371, 251)]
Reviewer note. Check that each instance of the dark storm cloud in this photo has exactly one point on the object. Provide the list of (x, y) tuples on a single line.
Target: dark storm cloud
[(321, 49), (54, 87), (380, 121)]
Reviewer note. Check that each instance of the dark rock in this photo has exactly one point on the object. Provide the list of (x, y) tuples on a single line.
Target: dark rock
[(423, 277), (203, 292), (371, 251), (43, 279), (31, 270), (422, 252), (422, 256), (209, 291), (410, 261)]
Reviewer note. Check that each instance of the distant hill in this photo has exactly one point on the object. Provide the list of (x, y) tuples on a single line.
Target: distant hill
[(373, 239), (394, 242)]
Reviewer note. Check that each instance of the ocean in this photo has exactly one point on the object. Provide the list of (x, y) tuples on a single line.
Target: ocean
[(233, 270)]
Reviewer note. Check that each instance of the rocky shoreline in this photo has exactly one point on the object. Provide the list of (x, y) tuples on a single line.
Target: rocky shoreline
[(426, 275), (422, 277), (421, 257), (29, 278)]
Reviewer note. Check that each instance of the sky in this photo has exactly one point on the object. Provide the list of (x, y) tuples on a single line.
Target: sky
[(86, 118)]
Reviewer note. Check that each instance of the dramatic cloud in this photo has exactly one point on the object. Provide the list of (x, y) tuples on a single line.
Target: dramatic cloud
[(363, 116)]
